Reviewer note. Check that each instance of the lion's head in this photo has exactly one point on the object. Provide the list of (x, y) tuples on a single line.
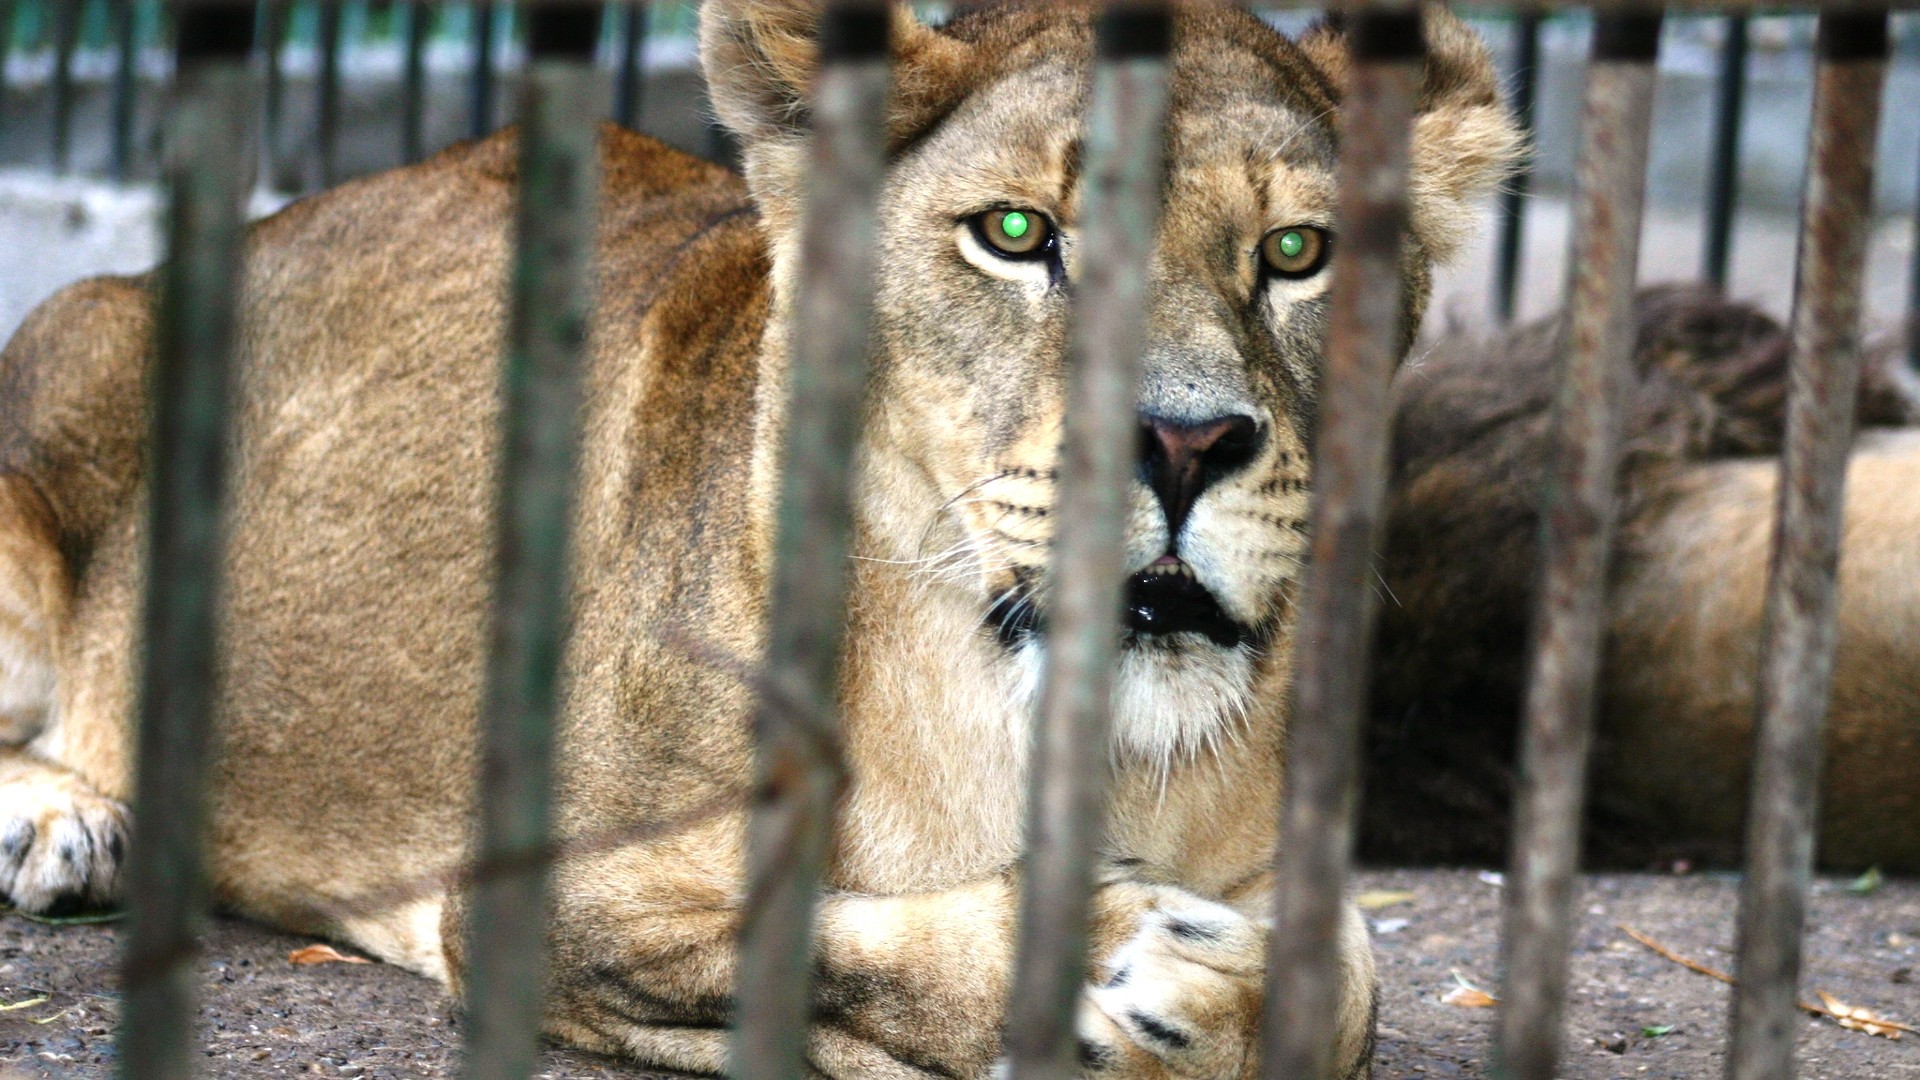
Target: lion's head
[(978, 256)]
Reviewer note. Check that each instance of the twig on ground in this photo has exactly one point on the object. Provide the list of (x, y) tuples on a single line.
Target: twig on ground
[(1847, 1016)]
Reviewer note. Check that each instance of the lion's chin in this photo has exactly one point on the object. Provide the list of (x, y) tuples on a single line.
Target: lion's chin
[(1175, 696)]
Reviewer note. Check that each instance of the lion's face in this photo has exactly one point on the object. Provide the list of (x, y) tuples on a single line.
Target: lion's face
[(980, 250)]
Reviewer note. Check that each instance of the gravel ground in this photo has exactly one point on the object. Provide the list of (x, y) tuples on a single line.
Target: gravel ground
[(264, 1017)]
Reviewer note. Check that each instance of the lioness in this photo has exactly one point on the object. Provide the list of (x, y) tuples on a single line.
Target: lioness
[(360, 544), (1675, 734)]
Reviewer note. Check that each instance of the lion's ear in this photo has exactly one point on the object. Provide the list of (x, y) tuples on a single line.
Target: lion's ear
[(1464, 140), (759, 58)]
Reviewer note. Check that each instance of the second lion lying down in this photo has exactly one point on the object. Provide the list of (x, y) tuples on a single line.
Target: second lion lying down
[(360, 545), (1683, 629)]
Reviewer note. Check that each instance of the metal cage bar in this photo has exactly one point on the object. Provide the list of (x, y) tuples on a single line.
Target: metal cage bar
[(66, 39), (1333, 628), (630, 85), (561, 101), (1579, 515), (1723, 170), (193, 358), (126, 32), (798, 771), (1797, 653), (413, 80), (1066, 804), (326, 139), (481, 80), (1513, 197)]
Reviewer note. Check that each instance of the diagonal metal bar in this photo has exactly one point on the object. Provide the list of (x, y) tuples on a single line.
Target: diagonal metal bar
[(482, 78), (798, 774), (1579, 516), (66, 15), (126, 32), (1066, 805), (1365, 337), (1823, 373), (562, 99), (193, 358), (326, 139)]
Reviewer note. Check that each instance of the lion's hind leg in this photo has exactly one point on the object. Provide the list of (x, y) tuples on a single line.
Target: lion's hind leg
[(61, 842)]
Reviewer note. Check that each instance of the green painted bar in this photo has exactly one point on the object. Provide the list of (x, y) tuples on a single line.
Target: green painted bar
[(562, 99), (166, 877)]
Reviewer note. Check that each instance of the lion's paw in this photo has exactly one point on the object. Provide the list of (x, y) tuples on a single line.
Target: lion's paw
[(61, 845), (1181, 997)]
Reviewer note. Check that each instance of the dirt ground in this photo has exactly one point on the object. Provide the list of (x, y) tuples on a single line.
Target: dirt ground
[(264, 1017)]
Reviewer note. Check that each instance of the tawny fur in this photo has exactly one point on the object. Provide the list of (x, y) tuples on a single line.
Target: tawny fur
[(1675, 735), (359, 550)]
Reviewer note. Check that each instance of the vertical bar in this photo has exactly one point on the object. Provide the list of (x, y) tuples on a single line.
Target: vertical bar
[(633, 41), (1823, 372), (126, 25), (1913, 289), (480, 89), (166, 879), (414, 81), (1579, 515), (561, 102), (798, 775), (1365, 336), (66, 38), (1513, 198), (7, 10), (1066, 804), (327, 136), (1723, 173), (274, 15)]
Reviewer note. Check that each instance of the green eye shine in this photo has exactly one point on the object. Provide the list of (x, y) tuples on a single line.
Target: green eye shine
[(1014, 234), (1296, 251)]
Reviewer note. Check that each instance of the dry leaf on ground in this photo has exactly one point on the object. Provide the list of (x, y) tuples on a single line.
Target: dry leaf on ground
[(1468, 996), (1385, 898), (323, 954), (1858, 1019)]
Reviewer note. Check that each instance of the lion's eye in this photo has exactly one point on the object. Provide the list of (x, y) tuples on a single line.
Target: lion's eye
[(1014, 234), (1296, 251)]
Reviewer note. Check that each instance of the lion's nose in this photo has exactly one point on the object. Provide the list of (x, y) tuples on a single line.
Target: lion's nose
[(1180, 460)]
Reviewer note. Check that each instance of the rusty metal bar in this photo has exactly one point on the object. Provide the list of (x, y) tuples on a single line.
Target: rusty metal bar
[(561, 101), (1066, 804), (631, 83), (413, 81), (798, 772), (193, 357), (1797, 656), (1723, 174), (1579, 513), (1513, 198), (480, 88), (1366, 333)]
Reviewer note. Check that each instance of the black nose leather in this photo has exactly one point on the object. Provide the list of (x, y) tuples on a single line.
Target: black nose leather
[(1181, 460)]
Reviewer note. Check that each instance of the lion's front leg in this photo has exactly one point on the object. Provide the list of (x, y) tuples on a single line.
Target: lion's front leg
[(909, 985)]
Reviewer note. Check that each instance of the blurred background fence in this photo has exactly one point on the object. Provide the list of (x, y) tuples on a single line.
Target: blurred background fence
[(356, 86)]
